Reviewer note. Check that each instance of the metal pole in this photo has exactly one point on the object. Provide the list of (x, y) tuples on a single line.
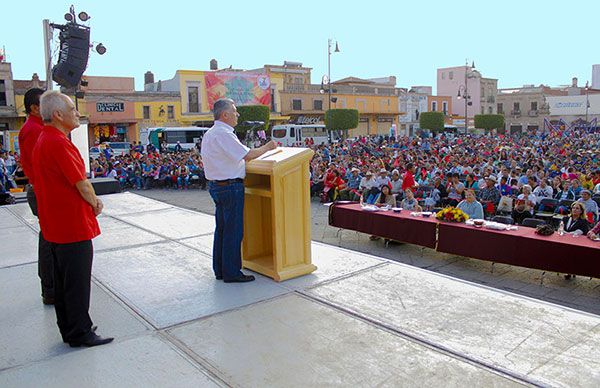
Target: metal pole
[(48, 53), (466, 98), (587, 104), (329, 71)]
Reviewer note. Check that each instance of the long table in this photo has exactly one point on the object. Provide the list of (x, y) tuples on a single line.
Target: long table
[(522, 247)]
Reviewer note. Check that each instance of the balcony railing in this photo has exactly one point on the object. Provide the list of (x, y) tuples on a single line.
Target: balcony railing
[(340, 89), (533, 113), (515, 113)]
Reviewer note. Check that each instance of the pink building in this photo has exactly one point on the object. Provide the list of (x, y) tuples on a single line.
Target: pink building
[(482, 91)]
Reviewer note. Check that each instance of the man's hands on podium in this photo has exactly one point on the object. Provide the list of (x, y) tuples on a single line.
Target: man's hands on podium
[(271, 145), (256, 152)]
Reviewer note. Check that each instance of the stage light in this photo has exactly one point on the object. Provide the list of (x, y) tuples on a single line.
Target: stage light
[(100, 49)]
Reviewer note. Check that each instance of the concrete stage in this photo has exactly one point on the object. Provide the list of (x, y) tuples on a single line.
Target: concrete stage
[(358, 321)]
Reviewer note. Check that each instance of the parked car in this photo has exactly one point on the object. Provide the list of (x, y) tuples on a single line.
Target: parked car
[(120, 148)]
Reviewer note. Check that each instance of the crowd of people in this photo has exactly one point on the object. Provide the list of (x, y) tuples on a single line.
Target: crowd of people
[(145, 168), (482, 175)]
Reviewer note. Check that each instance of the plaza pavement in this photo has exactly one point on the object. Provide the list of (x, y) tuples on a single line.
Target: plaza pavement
[(359, 320)]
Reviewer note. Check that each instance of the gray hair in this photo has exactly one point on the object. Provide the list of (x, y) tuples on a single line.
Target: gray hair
[(221, 105), (50, 102)]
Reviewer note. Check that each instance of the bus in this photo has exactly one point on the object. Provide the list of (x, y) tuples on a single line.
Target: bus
[(186, 136), (295, 135)]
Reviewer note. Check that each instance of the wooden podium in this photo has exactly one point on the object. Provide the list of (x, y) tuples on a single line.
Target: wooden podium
[(277, 216)]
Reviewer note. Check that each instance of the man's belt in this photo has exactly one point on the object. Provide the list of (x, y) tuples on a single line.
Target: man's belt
[(227, 182)]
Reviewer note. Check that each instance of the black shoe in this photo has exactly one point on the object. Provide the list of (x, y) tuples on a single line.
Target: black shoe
[(92, 340), (93, 329), (48, 301), (219, 277), (241, 279)]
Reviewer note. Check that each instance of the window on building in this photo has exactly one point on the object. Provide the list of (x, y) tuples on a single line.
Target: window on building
[(482, 110), (193, 99), (146, 111), (516, 106), (318, 105), (3, 101), (273, 106), (443, 75), (170, 112), (434, 106), (451, 75), (534, 105), (490, 110), (296, 104), (500, 108), (445, 107)]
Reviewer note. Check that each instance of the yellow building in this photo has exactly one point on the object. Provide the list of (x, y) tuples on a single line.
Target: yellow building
[(200, 89), (377, 103)]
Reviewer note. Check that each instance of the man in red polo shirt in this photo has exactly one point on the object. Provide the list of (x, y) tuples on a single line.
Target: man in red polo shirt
[(67, 208), (408, 181), (28, 136)]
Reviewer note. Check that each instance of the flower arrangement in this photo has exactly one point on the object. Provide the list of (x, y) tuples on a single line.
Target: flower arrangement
[(451, 214)]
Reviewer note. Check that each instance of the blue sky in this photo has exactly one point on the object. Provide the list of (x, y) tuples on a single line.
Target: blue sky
[(521, 42)]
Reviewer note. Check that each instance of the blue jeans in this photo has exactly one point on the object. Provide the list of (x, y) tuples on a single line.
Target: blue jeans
[(229, 214)]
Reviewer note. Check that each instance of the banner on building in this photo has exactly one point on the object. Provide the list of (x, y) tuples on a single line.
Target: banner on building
[(242, 87)]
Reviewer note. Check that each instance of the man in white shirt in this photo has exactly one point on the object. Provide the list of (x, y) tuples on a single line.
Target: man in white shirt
[(543, 191), (224, 158)]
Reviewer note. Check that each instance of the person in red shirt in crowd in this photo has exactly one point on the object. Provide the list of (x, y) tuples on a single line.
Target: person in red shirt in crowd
[(28, 136), (408, 181), (67, 208)]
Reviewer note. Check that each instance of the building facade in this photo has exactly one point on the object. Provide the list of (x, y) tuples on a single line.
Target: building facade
[(375, 99), (9, 118), (464, 81), (524, 108)]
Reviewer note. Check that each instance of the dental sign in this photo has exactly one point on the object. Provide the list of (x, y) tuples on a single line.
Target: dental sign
[(110, 107)]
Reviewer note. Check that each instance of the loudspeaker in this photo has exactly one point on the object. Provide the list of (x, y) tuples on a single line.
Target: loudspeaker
[(73, 55), (105, 186)]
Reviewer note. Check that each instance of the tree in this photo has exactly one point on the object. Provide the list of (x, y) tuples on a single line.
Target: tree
[(252, 113), (434, 121), (489, 122), (341, 119)]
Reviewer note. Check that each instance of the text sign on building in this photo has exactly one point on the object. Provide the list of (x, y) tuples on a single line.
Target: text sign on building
[(110, 107)]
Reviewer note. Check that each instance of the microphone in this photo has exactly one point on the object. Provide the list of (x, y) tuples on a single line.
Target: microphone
[(253, 123)]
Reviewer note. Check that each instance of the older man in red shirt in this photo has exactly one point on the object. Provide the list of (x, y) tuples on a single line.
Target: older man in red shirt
[(28, 136), (67, 208)]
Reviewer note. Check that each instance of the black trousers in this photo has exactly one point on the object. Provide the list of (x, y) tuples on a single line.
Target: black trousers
[(45, 267), (72, 277)]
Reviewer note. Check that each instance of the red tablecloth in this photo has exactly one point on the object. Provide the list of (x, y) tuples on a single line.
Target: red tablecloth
[(523, 247), (386, 224)]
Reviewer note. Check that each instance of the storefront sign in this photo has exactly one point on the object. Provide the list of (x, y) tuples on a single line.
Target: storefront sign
[(110, 107), (306, 120)]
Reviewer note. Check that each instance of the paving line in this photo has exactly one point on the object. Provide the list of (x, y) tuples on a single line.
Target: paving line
[(427, 343)]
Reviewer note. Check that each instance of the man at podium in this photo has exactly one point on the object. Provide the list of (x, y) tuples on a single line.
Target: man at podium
[(224, 158)]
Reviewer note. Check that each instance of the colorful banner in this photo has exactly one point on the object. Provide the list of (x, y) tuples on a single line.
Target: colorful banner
[(242, 87)]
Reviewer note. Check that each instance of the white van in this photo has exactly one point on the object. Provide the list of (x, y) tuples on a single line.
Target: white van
[(291, 135)]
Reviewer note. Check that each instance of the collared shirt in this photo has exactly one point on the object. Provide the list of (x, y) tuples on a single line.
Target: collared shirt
[(489, 194), (65, 217), (354, 181), (223, 153), (28, 136), (473, 209)]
